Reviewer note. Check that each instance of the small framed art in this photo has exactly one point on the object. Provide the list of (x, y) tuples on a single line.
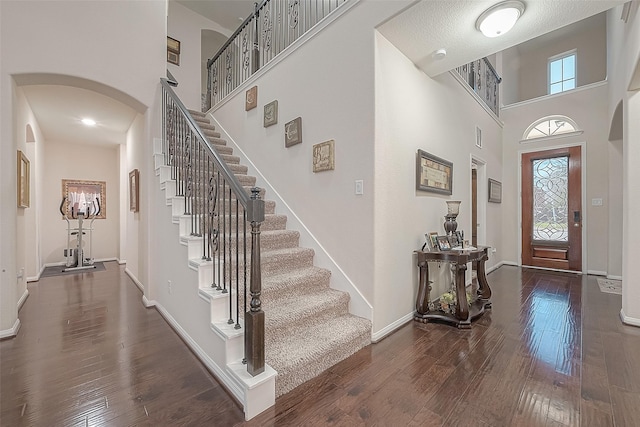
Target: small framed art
[(433, 174), (495, 191)]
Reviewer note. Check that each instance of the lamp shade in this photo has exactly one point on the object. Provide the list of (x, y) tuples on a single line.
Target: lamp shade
[(500, 18), (453, 207)]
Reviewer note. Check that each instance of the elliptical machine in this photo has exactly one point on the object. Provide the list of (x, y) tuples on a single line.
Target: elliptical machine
[(75, 257)]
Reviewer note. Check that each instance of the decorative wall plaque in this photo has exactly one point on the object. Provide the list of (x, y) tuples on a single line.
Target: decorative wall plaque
[(293, 132), (251, 100), (271, 114), (324, 156)]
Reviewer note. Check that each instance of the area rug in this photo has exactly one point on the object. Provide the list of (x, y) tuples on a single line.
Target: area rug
[(56, 270), (610, 286)]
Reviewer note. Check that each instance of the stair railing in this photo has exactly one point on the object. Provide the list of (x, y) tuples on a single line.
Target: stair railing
[(484, 80), (273, 26), (218, 208)]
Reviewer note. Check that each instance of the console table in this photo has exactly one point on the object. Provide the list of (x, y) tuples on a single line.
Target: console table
[(464, 311)]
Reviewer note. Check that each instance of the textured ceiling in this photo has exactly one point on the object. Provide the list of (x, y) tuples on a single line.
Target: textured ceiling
[(434, 24), (227, 13)]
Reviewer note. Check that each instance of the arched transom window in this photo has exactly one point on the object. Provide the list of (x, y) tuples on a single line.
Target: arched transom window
[(550, 126)]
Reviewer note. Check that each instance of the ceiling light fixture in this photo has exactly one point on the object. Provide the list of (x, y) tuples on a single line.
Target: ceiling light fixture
[(88, 122), (500, 18), (439, 54)]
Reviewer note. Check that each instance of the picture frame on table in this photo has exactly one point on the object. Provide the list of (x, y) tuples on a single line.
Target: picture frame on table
[(443, 243), (433, 238)]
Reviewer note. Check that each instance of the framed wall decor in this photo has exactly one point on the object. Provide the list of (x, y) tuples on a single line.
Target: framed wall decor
[(271, 114), (79, 193), (293, 132), (433, 173), (134, 190), (173, 51), (495, 191), (478, 137), (324, 156), (251, 98), (24, 186)]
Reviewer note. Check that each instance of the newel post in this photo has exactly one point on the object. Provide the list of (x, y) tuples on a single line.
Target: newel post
[(255, 63), (254, 318)]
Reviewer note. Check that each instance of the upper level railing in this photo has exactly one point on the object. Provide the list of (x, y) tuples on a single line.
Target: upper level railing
[(484, 80), (274, 25), (218, 209)]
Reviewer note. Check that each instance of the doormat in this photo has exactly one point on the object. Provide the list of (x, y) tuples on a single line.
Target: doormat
[(610, 286), (56, 270)]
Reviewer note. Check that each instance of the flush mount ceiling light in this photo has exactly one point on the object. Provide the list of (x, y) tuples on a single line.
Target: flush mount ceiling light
[(88, 122), (500, 18)]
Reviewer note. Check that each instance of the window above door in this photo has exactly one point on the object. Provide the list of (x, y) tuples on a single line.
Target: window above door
[(562, 72)]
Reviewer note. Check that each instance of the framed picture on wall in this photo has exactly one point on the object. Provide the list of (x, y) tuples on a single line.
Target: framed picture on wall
[(79, 194), (495, 191), (134, 190), (433, 173), (23, 180)]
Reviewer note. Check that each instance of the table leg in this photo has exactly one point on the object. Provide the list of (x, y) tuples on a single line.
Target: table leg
[(422, 301), (485, 291), (462, 309)]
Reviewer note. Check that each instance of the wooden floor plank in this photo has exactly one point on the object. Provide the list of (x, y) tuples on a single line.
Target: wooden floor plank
[(551, 352)]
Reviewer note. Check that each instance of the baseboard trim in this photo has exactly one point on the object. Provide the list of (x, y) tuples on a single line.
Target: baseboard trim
[(553, 269), (134, 279), (389, 329), (612, 277), (596, 273), (37, 277), (147, 302), (121, 261), (632, 321), (23, 299), (495, 267), (230, 379), (10, 333)]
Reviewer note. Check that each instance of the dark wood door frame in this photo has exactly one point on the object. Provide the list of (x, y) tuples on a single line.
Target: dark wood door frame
[(553, 255)]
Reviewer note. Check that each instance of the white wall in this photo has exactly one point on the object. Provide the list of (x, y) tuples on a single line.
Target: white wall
[(81, 42), (583, 106), (623, 59), (134, 160), (82, 162), (527, 63), (439, 116), (186, 26), (615, 234)]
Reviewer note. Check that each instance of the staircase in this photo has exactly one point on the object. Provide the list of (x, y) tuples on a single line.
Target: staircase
[(308, 327)]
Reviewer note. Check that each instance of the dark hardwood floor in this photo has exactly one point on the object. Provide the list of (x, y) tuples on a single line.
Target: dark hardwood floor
[(551, 352)]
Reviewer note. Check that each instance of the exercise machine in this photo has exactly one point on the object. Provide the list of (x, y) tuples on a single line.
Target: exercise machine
[(81, 210)]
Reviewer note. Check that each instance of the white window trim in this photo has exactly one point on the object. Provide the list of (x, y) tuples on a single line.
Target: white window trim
[(555, 58), (576, 131)]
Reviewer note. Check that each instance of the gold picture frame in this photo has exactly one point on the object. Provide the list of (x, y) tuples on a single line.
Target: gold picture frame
[(74, 189), (134, 190), (24, 185)]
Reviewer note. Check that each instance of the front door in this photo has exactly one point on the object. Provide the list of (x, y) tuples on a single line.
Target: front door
[(552, 209)]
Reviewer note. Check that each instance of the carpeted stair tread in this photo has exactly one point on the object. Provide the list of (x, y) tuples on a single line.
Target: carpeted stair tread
[(308, 327), (305, 353), (296, 281), (290, 312), (285, 259)]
